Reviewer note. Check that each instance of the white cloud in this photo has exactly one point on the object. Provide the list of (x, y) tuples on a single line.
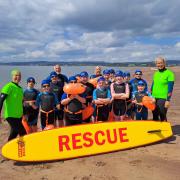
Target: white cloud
[(92, 30)]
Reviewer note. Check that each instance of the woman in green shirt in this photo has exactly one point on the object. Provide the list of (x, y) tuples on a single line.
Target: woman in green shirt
[(12, 97), (162, 87)]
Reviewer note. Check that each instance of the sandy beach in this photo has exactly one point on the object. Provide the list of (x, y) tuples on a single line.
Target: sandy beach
[(160, 161)]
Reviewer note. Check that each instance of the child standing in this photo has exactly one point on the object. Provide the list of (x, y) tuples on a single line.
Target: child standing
[(30, 95), (137, 96), (101, 99), (47, 101)]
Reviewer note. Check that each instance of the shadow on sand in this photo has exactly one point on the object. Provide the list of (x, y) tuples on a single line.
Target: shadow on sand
[(36, 163), (176, 132)]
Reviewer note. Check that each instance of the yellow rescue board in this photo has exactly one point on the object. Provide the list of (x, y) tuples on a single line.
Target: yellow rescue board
[(85, 140)]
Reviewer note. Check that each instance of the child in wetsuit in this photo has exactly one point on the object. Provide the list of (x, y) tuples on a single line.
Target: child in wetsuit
[(73, 106), (120, 92), (101, 99), (30, 95), (140, 110), (47, 101)]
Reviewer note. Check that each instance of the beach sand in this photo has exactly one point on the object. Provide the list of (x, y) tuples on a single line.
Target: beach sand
[(160, 161)]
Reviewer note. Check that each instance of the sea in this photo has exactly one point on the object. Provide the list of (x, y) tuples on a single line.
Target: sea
[(42, 72)]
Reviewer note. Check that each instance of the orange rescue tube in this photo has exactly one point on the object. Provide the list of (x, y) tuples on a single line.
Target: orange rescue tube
[(87, 112), (26, 125), (148, 102), (74, 88), (93, 81)]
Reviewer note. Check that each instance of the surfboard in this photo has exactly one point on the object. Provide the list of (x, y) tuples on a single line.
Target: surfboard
[(85, 140)]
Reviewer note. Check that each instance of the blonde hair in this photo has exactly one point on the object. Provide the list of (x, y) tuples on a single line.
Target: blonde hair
[(160, 58), (15, 71)]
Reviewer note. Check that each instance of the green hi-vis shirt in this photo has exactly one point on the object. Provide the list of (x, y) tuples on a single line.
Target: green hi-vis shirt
[(13, 106), (160, 83)]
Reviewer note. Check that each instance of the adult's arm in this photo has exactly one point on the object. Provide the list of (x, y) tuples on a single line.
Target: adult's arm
[(170, 89), (2, 98)]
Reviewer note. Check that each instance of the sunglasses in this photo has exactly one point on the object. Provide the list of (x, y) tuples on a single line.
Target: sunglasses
[(31, 82), (53, 76), (73, 81), (138, 73), (45, 86)]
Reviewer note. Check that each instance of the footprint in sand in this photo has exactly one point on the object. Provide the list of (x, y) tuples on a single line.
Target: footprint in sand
[(100, 163), (135, 162)]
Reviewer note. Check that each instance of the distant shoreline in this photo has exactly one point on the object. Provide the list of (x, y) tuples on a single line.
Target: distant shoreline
[(102, 63)]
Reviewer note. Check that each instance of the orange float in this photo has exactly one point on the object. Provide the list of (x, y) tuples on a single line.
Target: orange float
[(148, 102), (87, 112), (26, 125), (93, 81), (74, 88)]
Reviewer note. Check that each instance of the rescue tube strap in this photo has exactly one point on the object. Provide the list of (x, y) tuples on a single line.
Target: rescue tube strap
[(47, 113), (66, 110)]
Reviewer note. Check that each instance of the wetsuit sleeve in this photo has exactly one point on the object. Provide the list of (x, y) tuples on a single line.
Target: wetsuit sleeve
[(94, 95), (2, 98), (149, 94), (133, 84), (133, 95), (65, 78), (56, 99), (38, 100), (152, 86), (171, 79), (109, 94), (146, 86), (83, 95), (64, 96), (170, 89)]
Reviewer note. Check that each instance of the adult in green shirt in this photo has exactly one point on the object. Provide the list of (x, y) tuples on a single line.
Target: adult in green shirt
[(162, 88), (12, 97)]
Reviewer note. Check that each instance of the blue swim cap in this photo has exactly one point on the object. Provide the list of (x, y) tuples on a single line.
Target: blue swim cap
[(106, 71), (53, 74), (31, 79), (84, 74), (77, 75), (45, 81), (72, 78), (119, 73), (92, 76), (112, 71), (101, 79), (138, 71), (141, 83), (127, 74)]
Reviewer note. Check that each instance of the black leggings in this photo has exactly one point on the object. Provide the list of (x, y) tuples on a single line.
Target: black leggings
[(16, 127), (160, 110)]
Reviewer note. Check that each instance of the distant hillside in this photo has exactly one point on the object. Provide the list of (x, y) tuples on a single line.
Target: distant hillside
[(77, 63)]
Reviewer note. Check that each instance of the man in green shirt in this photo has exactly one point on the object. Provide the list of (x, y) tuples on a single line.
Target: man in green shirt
[(12, 96), (162, 87)]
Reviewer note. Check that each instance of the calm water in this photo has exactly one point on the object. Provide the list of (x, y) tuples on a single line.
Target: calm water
[(41, 72)]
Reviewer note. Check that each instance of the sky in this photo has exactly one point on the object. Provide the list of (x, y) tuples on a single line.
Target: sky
[(89, 30)]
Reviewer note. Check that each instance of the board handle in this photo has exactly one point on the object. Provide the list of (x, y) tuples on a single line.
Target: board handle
[(155, 131)]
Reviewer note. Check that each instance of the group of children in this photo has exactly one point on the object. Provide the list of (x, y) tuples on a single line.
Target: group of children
[(114, 96)]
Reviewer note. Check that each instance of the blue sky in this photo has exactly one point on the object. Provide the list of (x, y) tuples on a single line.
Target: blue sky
[(94, 30)]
